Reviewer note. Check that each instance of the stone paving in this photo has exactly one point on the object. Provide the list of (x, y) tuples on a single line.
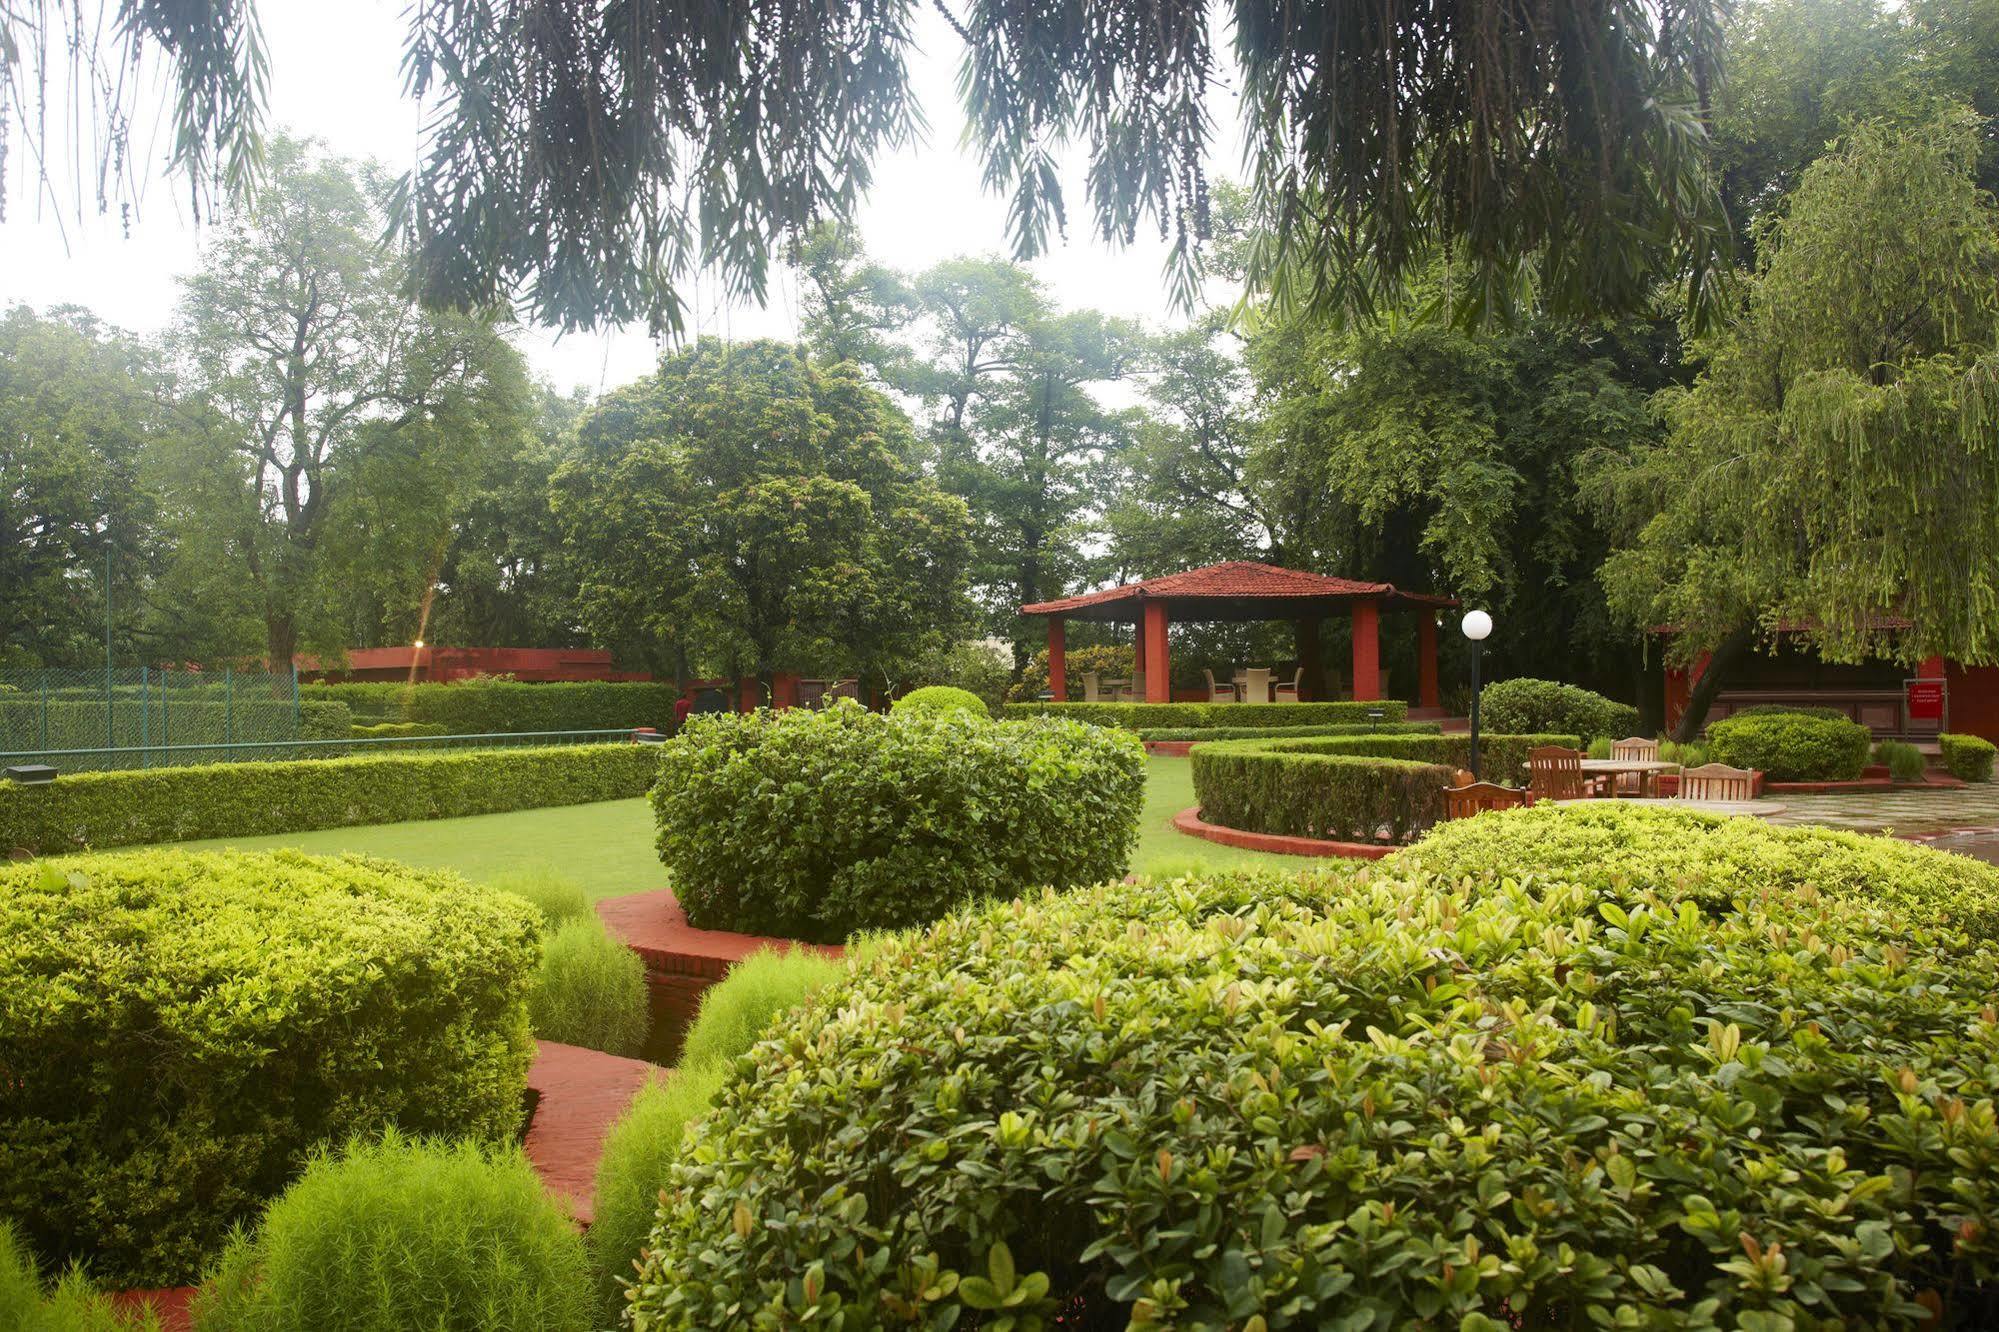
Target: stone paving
[(1904, 813)]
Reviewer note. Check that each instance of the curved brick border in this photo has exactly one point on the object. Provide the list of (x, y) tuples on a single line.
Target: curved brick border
[(1170, 748), (1189, 821)]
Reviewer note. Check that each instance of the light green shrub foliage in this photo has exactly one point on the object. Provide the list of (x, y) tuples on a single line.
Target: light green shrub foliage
[(1905, 762), (1967, 757), (1689, 755), (942, 698), (396, 730), (107, 809), (638, 1154), (479, 707), (1525, 705), (402, 1234), (1181, 716), (1629, 853), (737, 1011), (1791, 746), (590, 991), (812, 825), (557, 897), (179, 1030), (1248, 784), (72, 1306), (1286, 732), (1359, 1100)]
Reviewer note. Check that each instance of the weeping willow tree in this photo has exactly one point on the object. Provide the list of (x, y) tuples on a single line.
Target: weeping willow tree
[(1836, 462), (586, 160)]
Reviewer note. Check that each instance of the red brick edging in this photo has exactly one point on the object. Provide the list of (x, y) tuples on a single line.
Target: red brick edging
[(1189, 821), (1170, 748)]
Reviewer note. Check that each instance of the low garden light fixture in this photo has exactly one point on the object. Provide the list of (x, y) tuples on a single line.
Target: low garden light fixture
[(31, 774), (1477, 627)]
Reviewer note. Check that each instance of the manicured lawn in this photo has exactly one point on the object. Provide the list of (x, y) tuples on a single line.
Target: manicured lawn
[(608, 847)]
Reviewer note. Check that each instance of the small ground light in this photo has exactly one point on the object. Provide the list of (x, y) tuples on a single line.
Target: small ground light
[(31, 774)]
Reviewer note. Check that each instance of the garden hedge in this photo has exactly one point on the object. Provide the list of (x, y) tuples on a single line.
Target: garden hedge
[(396, 730), (179, 1030), (29, 725), (106, 809), (1791, 746), (1967, 757), (812, 825), (1526, 704), (1287, 732), (1358, 1101), (481, 707), (1356, 788), (1628, 854), (1138, 716), (942, 698)]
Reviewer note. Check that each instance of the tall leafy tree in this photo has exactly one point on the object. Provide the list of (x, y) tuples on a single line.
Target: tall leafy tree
[(1835, 459), (744, 511), (852, 308), (340, 421)]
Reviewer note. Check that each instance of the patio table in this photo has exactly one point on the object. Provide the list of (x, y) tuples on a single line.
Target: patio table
[(1647, 770)]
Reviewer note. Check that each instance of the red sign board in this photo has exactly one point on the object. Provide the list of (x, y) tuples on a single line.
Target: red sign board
[(1925, 700)]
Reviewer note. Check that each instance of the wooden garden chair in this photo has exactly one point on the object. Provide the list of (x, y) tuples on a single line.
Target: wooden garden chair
[(1134, 691), (1092, 691), (1219, 693), (1717, 781), (1289, 691), (1637, 748), (1555, 773), (1461, 802)]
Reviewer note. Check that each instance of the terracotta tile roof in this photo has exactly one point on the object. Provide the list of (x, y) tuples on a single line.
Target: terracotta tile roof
[(1235, 580)]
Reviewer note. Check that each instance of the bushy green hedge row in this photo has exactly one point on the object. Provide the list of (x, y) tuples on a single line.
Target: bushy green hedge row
[(812, 825), (1967, 757), (396, 730), (179, 1030), (1527, 704), (1287, 732), (1349, 788), (1181, 716), (1362, 1100), (106, 809), (1791, 746), (33, 726), (481, 707)]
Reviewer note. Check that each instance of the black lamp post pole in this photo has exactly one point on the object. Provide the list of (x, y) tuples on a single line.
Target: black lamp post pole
[(1477, 651)]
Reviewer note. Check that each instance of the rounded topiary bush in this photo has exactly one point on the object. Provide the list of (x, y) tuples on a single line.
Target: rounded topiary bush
[(404, 1233), (1967, 757), (1527, 705), (1791, 746), (1632, 853), (179, 1030), (590, 991), (1363, 1100), (942, 698), (812, 825)]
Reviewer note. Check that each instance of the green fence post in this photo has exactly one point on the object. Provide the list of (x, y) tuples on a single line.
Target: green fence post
[(228, 705), (145, 717), (45, 710), (166, 719), (298, 719)]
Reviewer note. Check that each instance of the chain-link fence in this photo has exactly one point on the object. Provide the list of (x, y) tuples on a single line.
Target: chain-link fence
[(69, 718)]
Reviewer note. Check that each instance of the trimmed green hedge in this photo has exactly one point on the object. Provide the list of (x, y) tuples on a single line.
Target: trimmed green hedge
[(1147, 716), (812, 825), (1527, 704), (396, 730), (943, 698), (71, 723), (179, 1030), (481, 707), (1358, 1100), (1967, 757), (1287, 732), (1363, 788), (1791, 746), (105, 809)]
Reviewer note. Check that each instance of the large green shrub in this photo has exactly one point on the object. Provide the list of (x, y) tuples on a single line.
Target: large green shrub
[(1525, 705), (71, 1306), (1147, 716), (1151, 733), (1630, 853), (1905, 763), (481, 707), (1791, 746), (1359, 1101), (106, 809), (590, 991), (1967, 757), (812, 825), (1247, 784), (406, 1234), (942, 698), (178, 1030)]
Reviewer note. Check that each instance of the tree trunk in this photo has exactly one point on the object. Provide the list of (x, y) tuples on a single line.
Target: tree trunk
[(1726, 654), (280, 642)]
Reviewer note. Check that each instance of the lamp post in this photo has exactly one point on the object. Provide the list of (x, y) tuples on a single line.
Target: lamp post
[(1477, 625)]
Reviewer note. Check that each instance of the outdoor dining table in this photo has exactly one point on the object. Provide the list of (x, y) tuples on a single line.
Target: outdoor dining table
[(1648, 770)]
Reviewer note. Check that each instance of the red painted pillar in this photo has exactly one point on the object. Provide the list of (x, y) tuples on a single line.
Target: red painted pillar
[(1426, 660), (1158, 671), (1366, 650), (1058, 660), (1930, 668), (1308, 661), (783, 690), (749, 693)]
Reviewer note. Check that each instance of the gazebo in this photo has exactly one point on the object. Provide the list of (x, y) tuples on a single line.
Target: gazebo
[(1243, 590)]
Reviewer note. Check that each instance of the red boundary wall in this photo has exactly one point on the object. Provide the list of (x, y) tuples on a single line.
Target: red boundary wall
[(1189, 821)]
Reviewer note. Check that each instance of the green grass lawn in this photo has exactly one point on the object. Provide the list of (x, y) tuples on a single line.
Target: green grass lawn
[(608, 847)]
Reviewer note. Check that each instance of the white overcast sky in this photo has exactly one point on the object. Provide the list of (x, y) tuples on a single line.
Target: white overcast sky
[(335, 75)]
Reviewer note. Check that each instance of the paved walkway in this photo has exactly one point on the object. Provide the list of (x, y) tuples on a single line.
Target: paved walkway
[(1904, 813)]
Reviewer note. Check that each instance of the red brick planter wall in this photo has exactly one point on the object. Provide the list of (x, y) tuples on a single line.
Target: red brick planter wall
[(1189, 821)]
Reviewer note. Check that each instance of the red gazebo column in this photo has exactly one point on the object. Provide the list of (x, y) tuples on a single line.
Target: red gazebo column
[(1158, 671), (1308, 661), (1058, 660), (1426, 660), (1366, 650)]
